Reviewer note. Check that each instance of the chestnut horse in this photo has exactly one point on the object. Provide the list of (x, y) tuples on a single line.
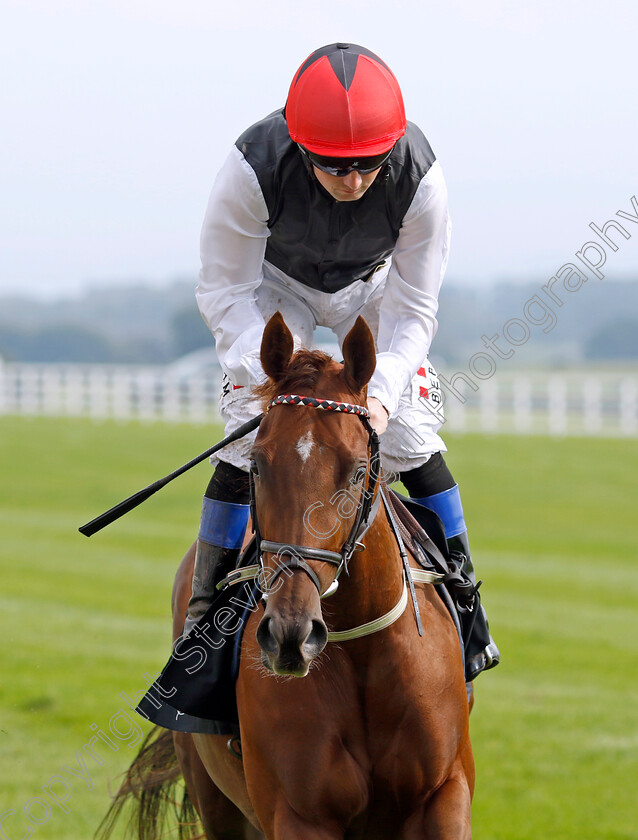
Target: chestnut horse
[(364, 737)]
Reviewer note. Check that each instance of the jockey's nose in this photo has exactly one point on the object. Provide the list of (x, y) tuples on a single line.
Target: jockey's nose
[(353, 180)]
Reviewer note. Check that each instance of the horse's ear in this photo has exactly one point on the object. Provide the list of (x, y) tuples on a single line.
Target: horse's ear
[(277, 346), (359, 355)]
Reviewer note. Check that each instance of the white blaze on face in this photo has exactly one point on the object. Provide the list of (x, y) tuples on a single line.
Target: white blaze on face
[(304, 446)]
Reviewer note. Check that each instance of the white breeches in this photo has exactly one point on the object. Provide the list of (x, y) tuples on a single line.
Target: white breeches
[(412, 433)]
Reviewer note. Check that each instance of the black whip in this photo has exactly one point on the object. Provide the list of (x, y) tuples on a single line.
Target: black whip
[(136, 499)]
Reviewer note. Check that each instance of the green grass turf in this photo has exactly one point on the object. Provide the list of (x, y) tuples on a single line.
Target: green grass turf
[(553, 529)]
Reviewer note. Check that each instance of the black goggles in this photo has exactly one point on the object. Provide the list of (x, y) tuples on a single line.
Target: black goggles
[(340, 167)]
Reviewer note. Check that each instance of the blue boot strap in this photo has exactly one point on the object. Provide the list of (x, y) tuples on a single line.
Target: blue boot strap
[(447, 506), (223, 523)]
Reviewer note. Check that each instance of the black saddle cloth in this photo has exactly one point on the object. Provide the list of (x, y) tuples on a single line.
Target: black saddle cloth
[(196, 690)]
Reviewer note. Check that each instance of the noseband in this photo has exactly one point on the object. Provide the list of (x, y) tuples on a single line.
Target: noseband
[(291, 557)]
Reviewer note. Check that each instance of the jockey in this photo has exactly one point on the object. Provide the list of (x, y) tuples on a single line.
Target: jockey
[(331, 208)]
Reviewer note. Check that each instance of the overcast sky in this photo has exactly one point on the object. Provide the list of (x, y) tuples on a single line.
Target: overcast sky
[(116, 115)]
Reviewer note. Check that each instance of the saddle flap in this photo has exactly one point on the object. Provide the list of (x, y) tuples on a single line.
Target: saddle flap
[(424, 528)]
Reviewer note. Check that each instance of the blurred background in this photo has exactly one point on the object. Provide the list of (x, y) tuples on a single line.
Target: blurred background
[(116, 117)]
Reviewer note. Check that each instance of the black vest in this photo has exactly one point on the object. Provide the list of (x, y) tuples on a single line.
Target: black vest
[(320, 242)]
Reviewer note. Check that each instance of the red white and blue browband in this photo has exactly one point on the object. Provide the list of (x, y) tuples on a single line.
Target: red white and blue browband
[(328, 405)]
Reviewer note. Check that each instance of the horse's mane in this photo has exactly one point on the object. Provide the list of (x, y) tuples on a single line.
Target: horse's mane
[(304, 371)]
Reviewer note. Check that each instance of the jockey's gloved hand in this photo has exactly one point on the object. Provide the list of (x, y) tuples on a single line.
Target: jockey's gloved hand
[(378, 415)]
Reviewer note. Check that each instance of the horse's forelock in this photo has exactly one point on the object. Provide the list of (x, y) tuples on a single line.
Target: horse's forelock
[(302, 375)]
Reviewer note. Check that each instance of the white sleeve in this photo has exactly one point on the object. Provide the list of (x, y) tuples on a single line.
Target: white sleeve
[(407, 317), (233, 243)]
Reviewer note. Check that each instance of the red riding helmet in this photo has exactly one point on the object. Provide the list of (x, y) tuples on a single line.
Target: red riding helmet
[(345, 102)]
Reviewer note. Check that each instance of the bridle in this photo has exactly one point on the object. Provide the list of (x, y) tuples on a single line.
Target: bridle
[(290, 558)]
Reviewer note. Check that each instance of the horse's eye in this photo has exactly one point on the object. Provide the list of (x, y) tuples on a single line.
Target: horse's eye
[(254, 468), (359, 475)]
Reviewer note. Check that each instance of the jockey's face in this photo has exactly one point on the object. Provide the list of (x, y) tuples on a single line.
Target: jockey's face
[(348, 188)]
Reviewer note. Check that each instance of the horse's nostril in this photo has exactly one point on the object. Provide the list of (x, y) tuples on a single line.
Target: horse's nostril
[(265, 638), (317, 639)]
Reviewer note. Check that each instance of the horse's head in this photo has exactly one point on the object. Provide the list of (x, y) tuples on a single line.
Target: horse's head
[(311, 471)]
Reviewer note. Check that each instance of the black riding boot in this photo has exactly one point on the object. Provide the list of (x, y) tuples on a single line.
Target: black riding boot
[(433, 487), (481, 652), (221, 534)]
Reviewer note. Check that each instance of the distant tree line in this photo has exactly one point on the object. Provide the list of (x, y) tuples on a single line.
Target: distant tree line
[(617, 340), (141, 324), (73, 343)]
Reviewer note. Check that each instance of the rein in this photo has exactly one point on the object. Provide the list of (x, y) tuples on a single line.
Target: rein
[(291, 557)]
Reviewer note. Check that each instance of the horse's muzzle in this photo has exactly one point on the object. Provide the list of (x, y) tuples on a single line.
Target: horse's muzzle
[(288, 647)]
